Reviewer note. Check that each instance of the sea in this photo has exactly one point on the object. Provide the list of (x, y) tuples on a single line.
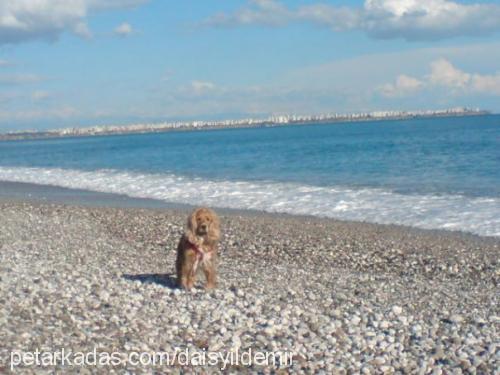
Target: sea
[(435, 173)]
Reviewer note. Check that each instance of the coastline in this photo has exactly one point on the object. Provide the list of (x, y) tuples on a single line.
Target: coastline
[(21, 192), (37, 193), (129, 129), (407, 300)]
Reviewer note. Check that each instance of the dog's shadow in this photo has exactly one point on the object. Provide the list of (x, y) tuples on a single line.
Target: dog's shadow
[(166, 280)]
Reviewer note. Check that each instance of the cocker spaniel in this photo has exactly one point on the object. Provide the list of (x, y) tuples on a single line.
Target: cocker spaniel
[(198, 247)]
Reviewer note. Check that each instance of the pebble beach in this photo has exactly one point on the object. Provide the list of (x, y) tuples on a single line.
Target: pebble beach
[(341, 297)]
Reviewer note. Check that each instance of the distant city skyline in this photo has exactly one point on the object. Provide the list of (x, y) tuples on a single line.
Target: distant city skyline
[(275, 120), (80, 63)]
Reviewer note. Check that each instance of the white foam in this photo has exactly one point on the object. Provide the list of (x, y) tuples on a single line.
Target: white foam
[(454, 212)]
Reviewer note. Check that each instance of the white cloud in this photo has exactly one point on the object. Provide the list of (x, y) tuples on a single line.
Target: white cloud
[(23, 20), (274, 13), (445, 75), (350, 85), (336, 18), (408, 19), (82, 29), (113, 4), (486, 83), (124, 29), (266, 12), (404, 85)]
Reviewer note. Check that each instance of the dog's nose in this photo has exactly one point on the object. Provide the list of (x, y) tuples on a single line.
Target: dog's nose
[(203, 226)]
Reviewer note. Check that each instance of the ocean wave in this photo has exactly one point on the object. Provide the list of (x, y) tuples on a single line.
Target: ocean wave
[(452, 212)]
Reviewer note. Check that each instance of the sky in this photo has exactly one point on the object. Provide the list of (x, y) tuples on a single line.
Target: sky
[(71, 63)]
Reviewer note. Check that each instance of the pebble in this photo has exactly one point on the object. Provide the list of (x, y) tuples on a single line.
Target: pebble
[(355, 320), (397, 310), (456, 318), (372, 299)]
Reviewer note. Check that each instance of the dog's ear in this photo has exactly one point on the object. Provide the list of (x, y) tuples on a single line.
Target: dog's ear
[(192, 224), (191, 227), (214, 233)]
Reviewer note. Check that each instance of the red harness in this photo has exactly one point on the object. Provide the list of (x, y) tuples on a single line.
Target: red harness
[(200, 255)]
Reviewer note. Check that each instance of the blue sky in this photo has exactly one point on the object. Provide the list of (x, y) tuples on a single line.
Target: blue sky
[(87, 62)]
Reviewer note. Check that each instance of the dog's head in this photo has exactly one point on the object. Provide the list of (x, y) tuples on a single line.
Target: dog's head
[(203, 222)]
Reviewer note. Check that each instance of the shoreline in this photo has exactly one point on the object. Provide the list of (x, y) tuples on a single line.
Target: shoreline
[(402, 300), (21, 192)]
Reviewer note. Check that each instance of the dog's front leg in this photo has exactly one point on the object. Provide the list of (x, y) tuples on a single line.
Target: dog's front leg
[(187, 271), (210, 274)]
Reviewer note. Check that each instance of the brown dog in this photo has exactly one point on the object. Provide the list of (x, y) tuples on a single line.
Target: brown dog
[(198, 247)]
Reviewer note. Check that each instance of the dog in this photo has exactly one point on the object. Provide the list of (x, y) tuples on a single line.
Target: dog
[(198, 247)]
